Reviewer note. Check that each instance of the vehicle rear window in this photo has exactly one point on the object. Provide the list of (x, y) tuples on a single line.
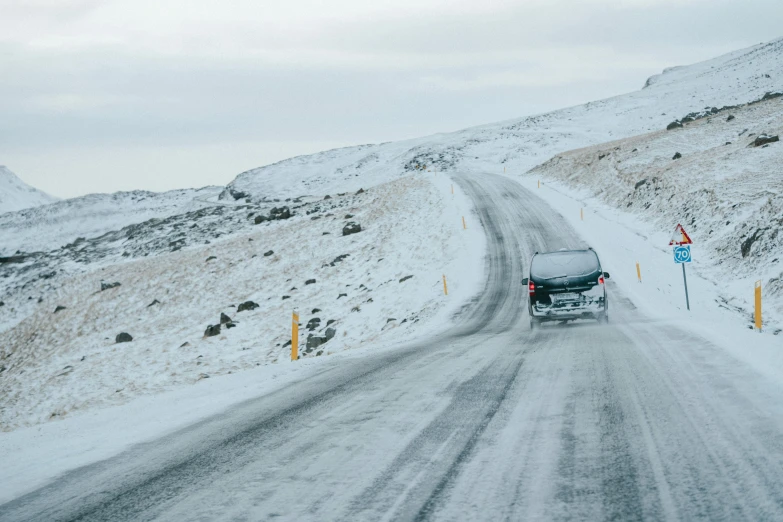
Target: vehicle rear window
[(557, 264)]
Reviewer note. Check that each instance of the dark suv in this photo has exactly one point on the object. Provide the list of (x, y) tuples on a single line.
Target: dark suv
[(566, 285)]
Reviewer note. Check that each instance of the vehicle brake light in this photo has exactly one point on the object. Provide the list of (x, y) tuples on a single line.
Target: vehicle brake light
[(531, 286), (600, 280)]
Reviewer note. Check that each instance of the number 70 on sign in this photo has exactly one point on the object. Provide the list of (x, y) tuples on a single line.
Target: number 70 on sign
[(682, 254)]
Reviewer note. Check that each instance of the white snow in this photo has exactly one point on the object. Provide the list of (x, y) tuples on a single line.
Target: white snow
[(65, 362), (15, 194)]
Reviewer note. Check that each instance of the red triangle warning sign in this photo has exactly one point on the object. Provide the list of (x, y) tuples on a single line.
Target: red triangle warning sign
[(680, 237)]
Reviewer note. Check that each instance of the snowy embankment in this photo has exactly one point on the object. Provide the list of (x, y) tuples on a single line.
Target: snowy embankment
[(726, 191), (376, 286)]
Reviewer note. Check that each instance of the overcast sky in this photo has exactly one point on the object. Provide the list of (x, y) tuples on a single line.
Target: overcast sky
[(98, 96)]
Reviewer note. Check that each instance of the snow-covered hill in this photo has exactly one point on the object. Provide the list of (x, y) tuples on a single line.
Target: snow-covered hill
[(52, 226), (520, 144), (15, 194)]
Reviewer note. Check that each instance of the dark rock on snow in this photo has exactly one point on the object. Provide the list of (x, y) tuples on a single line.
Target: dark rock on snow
[(677, 155), (247, 305), (745, 246), (674, 125), (106, 286), (351, 228), (313, 323), (310, 282), (405, 278), (316, 310), (313, 342), (153, 303), (330, 333), (259, 219), (360, 191), (59, 308), (210, 258), (269, 253), (763, 139), (731, 117), (342, 295), (124, 338), (212, 330), (224, 319), (339, 259), (280, 213), (639, 184)]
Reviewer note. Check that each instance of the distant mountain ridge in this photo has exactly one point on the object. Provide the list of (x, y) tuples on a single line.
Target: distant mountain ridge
[(15, 194)]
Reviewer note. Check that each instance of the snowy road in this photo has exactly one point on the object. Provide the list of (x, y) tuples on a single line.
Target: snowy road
[(489, 421)]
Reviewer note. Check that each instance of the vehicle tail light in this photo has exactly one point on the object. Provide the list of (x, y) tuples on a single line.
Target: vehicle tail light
[(531, 286), (600, 280)]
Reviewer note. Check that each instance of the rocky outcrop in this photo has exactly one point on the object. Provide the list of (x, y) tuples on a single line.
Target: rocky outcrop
[(763, 139), (351, 228), (247, 305), (212, 330)]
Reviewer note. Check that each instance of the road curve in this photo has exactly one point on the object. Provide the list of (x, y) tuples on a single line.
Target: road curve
[(487, 422)]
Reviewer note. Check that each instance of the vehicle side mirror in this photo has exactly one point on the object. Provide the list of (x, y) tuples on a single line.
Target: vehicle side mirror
[(525, 281), (606, 275)]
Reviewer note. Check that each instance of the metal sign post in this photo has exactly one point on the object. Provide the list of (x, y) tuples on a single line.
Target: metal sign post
[(682, 254)]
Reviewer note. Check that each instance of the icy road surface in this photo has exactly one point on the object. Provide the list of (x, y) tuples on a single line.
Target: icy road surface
[(488, 421)]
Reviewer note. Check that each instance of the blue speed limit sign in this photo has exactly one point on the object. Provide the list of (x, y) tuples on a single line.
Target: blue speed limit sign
[(682, 254)]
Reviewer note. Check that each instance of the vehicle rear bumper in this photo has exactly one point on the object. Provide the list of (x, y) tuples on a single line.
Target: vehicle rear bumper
[(581, 311)]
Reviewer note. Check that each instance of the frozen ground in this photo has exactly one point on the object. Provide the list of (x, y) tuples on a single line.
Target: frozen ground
[(381, 284), (727, 194)]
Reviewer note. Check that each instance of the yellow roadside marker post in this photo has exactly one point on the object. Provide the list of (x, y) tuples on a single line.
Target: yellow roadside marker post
[(757, 315), (638, 272), (445, 288), (464, 225), (295, 336), (539, 183), (582, 214), (452, 189)]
